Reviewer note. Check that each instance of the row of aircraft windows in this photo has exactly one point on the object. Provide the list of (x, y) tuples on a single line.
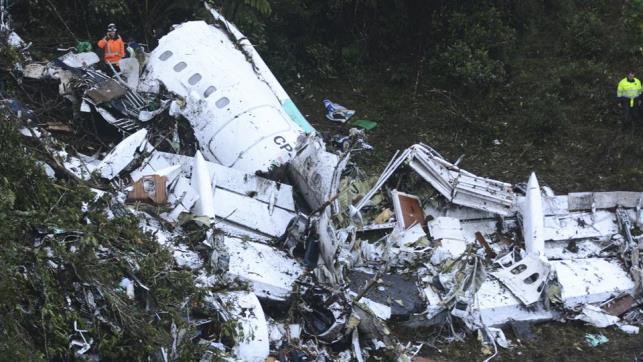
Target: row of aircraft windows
[(194, 79)]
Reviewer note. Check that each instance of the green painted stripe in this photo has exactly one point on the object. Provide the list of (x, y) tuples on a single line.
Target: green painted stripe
[(294, 113)]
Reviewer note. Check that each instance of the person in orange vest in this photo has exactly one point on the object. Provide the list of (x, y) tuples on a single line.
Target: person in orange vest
[(113, 45)]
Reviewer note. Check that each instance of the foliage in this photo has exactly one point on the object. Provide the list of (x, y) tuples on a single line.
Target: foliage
[(55, 256), (587, 36), (461, 64), (476, 47)]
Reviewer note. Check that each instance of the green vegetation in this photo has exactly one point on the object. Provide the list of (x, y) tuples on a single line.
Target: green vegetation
[(62, 266)]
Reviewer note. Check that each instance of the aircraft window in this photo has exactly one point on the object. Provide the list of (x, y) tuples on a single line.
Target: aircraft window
[(194, 79), (222, 102), (211, 89), (180, 66), (166, 55)]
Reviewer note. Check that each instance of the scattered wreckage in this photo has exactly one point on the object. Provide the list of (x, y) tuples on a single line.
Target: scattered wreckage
[(316, 261)]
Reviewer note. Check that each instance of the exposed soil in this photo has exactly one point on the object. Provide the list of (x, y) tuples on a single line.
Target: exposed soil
[(591, 153)]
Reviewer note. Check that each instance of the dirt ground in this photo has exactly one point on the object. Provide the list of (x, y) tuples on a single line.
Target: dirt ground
[(589, 159), (593, 154)]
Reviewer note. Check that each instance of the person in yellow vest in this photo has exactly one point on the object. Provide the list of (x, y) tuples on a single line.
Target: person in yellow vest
[(113, 46), (628, 93)]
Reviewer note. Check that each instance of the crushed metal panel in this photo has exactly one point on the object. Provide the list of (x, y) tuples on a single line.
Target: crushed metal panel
[(448, 239), (571, 249), (619, 305), (79, 60), (604, 200), (313, 171), (253, 343), (241, 232), (445, 228), (130, 69), (599, 225), (270, 272), (404, 238), (246, 200), (182, 197), (122, 123), (264, 190), (555, 204), (592, 280), (251, 213), (459, 186), (123, 154), (105, 91), (408, 210), (526, 278), (81, 165), (496, 305)]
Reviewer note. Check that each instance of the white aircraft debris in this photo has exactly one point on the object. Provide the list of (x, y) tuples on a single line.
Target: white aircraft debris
[(324, 269)]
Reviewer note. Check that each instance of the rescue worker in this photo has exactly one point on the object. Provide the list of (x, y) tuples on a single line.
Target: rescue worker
[(113, 46), (629, 97)]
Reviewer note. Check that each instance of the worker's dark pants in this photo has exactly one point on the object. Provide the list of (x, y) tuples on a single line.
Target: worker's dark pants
[(631, 114)]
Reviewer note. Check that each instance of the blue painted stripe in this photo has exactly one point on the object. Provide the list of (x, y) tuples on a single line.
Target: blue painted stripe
[(294, 113)]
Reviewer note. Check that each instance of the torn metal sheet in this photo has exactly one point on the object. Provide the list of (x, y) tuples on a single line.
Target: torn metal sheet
[(270, 272), (447, 249), (572, 249), (272, 193), (181, 196), (79, 60), (603, 200), (596, 317), (253, 343), (619, 305), (105, 91), (599, 225), (316, 172), (459, 186), (526, 278), (123, 154), (186, 258), (239, 199), (456, 185), (594, 280), (130, 70), (448, 238), (122, 123), (495, 305), (81, 165), (445, 228)]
